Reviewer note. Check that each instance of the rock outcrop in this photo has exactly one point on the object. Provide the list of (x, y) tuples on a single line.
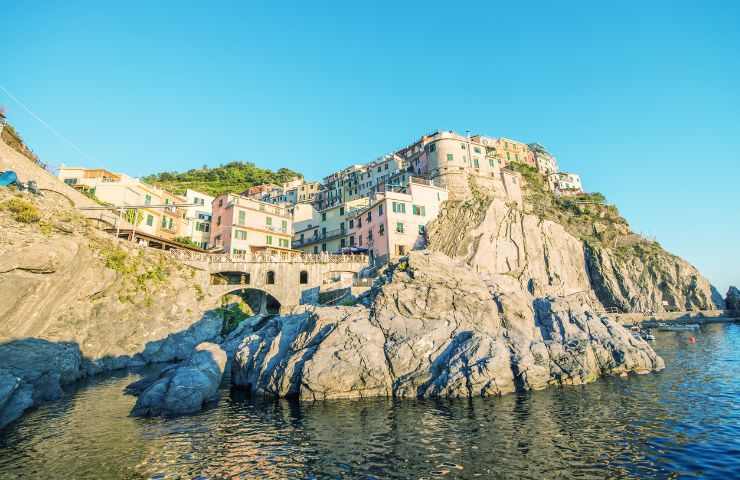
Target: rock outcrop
[(438, 328), (732, 300), (184, 388), (67, 289), (33, 371), (552, 247)]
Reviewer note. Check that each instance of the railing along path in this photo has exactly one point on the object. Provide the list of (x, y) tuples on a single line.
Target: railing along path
[(188, 256)]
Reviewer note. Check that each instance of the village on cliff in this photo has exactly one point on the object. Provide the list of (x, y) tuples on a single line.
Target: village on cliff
[(380, 208)]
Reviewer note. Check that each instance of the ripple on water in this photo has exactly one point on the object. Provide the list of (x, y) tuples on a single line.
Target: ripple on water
[(683, 421)]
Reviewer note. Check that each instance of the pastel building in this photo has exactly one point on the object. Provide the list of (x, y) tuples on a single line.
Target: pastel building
[(198, 217), (243, 225), (564, 183), (395, 222), (326, 230), (160, 220), (544, 161)]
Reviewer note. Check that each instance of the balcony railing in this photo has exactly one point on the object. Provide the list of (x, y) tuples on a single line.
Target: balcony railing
[(323, 236)]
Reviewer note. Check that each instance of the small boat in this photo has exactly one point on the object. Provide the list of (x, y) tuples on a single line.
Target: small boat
[(648, 336), (687, 327)]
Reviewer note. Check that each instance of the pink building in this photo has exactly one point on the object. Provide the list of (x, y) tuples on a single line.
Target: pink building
[(242, 225), (395, 221)]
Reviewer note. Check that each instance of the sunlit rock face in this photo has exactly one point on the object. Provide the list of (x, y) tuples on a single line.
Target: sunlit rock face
[(438, 328)]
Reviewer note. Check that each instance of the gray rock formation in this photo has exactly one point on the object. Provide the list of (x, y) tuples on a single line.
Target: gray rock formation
[(550, 258), (184, 388), (438, 329), (732, 300), (33, 371)]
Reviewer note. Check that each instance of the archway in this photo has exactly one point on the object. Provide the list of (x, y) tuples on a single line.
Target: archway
[(242, 304)]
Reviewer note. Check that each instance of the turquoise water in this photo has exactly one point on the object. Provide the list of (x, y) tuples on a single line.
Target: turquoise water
[(682, 422)]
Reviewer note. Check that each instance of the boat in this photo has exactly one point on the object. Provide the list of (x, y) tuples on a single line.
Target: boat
[(685, 327)]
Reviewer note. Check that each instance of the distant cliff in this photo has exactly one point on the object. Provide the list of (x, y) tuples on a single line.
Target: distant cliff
[(562, 245)]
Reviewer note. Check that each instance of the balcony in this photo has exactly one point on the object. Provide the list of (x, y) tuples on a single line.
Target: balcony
[(321, 237)]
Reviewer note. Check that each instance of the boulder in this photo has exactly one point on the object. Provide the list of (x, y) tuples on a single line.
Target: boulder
[(184, 388), (438, 328), (33, 371), (732, 300)]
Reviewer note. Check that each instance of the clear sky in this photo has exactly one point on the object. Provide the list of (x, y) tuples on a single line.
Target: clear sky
[(641, 98)]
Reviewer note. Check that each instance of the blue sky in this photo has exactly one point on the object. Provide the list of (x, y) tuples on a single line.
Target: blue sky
[(641, 98)]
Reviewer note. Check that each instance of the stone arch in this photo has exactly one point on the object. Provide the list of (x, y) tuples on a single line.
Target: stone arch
[(260, 301)]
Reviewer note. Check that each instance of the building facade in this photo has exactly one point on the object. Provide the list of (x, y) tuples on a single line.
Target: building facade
[(563, 183), (198, 217), (160, 220), (395, 222), (326, 230), (242, 225), (545, 163)]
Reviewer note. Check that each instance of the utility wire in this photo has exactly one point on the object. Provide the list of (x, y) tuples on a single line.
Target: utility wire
[(52, 129)]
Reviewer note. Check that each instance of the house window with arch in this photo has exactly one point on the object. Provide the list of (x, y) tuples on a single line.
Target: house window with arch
[(304, 277), (270, 277)]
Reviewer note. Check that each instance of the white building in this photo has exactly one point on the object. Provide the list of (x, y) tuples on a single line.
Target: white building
[(564, 183), (198, 218)]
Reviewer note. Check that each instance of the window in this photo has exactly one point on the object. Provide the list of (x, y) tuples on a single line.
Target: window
[(202, 227), (351, 224), (475, 162), (386, 166), (70, 181), (221, 202), (303, 277), (380, 210), (343, 243), (369, 236), (323, 247), (508, 156), (242, 217), (284, 226), (270, 277), (399, 227), (268, 221), (516, 155), (381, 230), (399, 207), (401, 249), (149, 220), (351, 240), (450, 157), (476, 149), (269, 240), (422, 229), (359, 240), (419, 210), (323, 217), (284, 242), (369, 216), (359, 223), (240, 252), (323, 232), (379, 169), (432, 147), (341, 210), (316, 249), (240, 234), (491, 162), (218, 220), (147, 200)]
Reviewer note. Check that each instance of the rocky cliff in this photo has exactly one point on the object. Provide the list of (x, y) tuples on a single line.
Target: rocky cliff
[(438, 328), (75, 302), (558, 246)]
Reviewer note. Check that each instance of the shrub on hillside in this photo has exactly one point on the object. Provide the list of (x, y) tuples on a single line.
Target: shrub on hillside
[(23, 211)]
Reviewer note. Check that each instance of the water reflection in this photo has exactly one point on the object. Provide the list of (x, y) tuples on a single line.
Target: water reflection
[(683, 421)]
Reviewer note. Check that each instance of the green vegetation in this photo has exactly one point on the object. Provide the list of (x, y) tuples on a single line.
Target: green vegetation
[(234, 310), (129, 216), (185, 241), (23, 211), (586, 216), (232, 177), (139, 274)]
